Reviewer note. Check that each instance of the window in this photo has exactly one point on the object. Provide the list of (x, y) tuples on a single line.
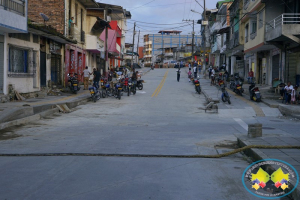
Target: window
[(260, 19), (246, 32), (76, 14), (22, 62), (253, 27), (35, 38), (20, 36)]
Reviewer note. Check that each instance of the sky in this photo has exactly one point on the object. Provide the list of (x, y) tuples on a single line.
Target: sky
[(152, 16)]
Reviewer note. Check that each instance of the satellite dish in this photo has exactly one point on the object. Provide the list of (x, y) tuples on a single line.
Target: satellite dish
[(45, 17)]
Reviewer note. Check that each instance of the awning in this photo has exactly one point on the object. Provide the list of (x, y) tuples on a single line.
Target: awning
[(50, 33), (224, 30), (114, 57)]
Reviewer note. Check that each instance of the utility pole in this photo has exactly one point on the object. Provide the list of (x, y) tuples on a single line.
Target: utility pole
[(204, 61), (137, 47), (193, 35), (132, 47), (162, 55), (106, 66)]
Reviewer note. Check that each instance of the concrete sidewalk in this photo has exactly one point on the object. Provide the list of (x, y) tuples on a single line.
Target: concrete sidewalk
[(21, 112), (291, 156)]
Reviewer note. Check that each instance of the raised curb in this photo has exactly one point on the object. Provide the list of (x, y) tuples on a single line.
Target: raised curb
[(257, 155), (43, 111)]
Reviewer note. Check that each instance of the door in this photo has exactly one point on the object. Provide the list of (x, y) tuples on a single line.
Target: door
[(275, 66), (56, 69), (1, 63), (43, 73)]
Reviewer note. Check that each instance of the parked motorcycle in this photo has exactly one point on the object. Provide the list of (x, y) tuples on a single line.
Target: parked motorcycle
[(139, 84), (73, 83), (225, 96), (254, 93), (95, 93), (118, 90), (236, 84), (103, 83), (132, 85)]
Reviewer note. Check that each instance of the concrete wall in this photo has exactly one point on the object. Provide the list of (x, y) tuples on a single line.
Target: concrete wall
[(11, 22), (22, 85)]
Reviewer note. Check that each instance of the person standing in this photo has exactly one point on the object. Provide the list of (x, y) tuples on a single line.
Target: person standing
[(288, 91), (190, 67), (86, 76), (195, 71), (178, 74), (97, 76), (250, 76), (71, 22), (212, 82)]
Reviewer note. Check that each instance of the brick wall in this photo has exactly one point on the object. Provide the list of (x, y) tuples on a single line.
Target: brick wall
[(54, 9)]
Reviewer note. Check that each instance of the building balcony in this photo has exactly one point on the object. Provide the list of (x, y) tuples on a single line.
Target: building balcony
[(234, 42), (215, 48), (169, 54), (13, 16), (284, 28), (149, 42), (147, 56), (94, 44)]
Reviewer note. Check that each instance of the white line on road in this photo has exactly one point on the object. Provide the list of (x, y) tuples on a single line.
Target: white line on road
[(242, 123)]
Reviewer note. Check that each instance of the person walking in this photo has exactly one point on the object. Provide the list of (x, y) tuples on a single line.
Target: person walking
[(86, 76), (195, 71), (189, 75), (190, 67), (178, 74), (212, 82)]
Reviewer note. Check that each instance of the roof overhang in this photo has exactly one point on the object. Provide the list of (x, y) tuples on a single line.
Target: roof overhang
[(50, 33), (89, 3), (224, 30)]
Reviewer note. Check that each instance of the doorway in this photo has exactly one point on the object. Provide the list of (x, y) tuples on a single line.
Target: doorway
[(56, 78), (43, 72), (1, 63)]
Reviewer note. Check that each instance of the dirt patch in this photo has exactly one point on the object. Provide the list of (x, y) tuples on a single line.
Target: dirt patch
[(227, 145), (7, 134)]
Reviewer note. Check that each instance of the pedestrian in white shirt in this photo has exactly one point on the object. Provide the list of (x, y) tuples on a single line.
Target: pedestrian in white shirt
[(288, 90), (86, 77)]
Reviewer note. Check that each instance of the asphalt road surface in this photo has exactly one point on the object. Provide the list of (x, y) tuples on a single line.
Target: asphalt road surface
[(166, 117)]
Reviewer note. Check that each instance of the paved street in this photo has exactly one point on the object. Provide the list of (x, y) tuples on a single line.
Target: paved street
[(166, 117)]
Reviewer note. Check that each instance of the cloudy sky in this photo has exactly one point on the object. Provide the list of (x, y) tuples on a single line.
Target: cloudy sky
[(154, 15)]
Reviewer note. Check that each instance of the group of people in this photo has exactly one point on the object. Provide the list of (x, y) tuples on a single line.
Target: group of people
[(86, 77), (290, 94), (212, 73)]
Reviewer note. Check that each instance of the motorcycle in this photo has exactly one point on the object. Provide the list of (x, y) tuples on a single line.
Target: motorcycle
[(225, 96), (139, 84), (73, 83), (197, 85), (132, 86), (254, 93), (103, 83), (118, 90), (95, 93), (237, 84)]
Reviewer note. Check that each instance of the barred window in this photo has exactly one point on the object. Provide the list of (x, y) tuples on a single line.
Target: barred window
[(22, 62)]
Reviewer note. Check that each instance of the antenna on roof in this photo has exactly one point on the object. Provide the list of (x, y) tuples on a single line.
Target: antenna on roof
[(45, 17)]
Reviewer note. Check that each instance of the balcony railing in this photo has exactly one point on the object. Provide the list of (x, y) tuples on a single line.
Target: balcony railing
[(234, 42), (286, 18), (17, 6)]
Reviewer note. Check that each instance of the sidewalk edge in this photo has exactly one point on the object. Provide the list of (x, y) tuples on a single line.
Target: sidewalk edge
[(257, 155)]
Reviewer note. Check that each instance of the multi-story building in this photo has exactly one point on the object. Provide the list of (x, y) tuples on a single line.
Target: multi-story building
[(282, 30), (235, 61), (154, 44), (13, 19), (255, 49), (68, 18), (224, 15)]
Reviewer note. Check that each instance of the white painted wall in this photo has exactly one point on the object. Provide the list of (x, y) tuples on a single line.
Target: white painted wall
[(12, 22), (22, 85)]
